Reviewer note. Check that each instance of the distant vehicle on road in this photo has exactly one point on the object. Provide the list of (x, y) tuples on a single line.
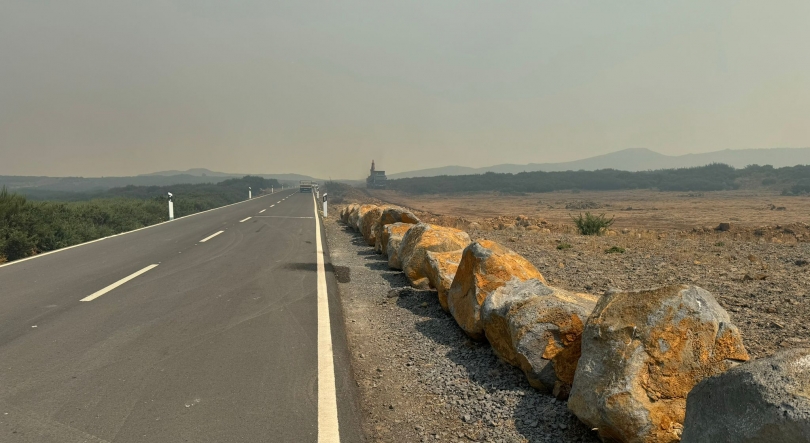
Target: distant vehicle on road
[(305, 186)]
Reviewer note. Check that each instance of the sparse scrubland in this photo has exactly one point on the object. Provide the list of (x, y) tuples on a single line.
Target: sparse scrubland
[(742, 255), (30, 227)]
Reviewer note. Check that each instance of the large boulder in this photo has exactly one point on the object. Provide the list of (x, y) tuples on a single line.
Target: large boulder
[(422, 238), (392, 238), (346, 212), (391, 214), (440, 269), (538, 329), (357, 214), (485, 266), (642, 352), (763, 401), (366, 223)]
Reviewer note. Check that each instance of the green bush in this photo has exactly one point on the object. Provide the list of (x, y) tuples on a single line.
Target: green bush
[(614, 250), (719, 244), (563, 246), (590, 224)]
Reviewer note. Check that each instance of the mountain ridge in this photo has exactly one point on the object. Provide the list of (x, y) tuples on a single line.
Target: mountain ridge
[(635, 159)]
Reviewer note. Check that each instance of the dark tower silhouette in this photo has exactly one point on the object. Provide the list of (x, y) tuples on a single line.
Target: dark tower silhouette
[(376, 179)]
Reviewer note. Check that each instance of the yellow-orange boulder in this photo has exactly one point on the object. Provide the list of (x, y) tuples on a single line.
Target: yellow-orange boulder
[(391, 214), (346, 212), (357, 214), (538, 329), (366, 223), (422, 238), (440, 269), (391, 238), (642, 352), (485, 266)]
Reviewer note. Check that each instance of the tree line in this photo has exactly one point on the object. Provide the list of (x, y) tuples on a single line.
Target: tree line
[(29, 227), (714, 177)]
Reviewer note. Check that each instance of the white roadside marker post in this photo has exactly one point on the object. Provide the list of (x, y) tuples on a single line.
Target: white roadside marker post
[(271, 190), (250, 193), (324, 205), (171, 206)]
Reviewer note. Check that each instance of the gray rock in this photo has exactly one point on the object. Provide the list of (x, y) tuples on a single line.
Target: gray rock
[(642, 352), (765, 401), (530, 324)]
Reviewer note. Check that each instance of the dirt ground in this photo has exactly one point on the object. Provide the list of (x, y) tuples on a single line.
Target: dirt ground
[(632, 209), (758, 270)]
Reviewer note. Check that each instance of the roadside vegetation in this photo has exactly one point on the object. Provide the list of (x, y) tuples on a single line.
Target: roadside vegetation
[(716, 177), (590, 224), (337, 191), (30, 227)]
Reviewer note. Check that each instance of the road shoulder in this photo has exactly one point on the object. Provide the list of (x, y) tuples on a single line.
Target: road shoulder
[(419, 377)]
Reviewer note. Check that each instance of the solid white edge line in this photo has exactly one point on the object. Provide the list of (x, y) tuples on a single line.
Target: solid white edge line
[(242, 221), (211, 236), (121, 233), (328, 427), (109, 288)]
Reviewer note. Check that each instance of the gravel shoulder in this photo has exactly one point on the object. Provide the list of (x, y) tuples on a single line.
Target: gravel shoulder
[(419, 377), (764, 286)]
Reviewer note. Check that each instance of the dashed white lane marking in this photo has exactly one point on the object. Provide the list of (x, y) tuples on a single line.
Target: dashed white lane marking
[(211, 236), (242, 221), (262, 211), (279, 216), (272, 206), (328, 427), (278, 202), (119, 234), (101, 292)]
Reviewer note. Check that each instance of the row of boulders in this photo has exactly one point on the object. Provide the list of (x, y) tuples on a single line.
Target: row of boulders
[(628, 362)]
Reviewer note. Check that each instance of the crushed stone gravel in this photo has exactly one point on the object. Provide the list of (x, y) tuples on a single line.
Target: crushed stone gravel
[(420, 378)]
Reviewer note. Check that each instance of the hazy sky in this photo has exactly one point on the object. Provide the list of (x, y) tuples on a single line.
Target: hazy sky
[(121, 88)]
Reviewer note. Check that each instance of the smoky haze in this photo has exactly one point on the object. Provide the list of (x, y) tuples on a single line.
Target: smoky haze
[(99, 88)]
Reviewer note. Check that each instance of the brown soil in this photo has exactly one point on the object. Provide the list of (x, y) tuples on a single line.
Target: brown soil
[(758, 270), (631, 209)]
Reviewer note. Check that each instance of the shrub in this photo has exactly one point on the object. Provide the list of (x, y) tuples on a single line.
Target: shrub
[(590, 224), (615, 250), (719, 244), (564, 246)]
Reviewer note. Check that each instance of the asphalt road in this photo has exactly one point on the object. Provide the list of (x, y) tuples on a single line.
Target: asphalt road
[(217, 343)]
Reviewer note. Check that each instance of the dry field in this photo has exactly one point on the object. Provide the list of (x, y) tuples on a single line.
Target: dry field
[(422, 380), (759, 270), (642, 209)]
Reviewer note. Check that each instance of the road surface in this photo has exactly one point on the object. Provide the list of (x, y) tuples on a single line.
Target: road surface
[(203, 329)]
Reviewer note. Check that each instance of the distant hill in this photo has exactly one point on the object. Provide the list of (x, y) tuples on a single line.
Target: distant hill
[(58, 187), (26, 184), (637, 159), (202, 172)]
